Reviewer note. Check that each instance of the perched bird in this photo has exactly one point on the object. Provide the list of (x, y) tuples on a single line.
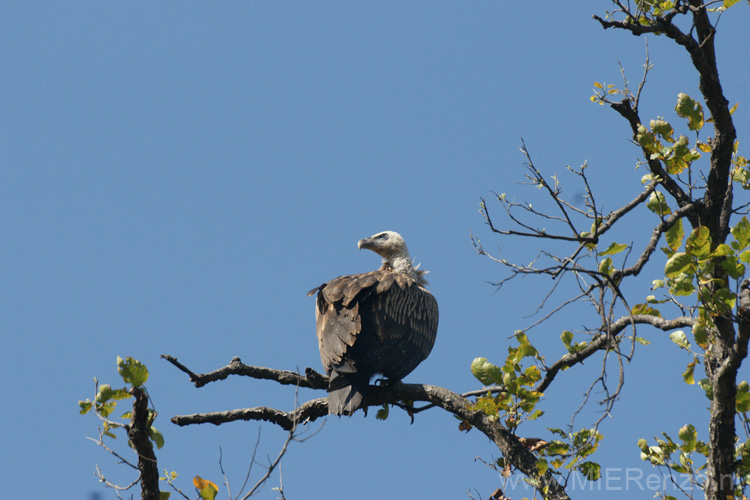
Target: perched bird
[(381, 322)]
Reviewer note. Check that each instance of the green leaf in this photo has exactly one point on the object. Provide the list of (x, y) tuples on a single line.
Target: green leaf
[(645, 309), (687, 376), (557, 448), (522, 338), (105, 409), (383, 413), (654, 455), (651, 299), (743, 398), (680, 156), (681, 469), (677, 264), (687, 108), (649, 178), (542, 465), (85, 406), (680, 339), (707, 387), (700, 332), (742, 176), (722, 250), (662, 128), (156, 437), (532, 374), (525, 349), (741, 233), (726, 5), (657, 203), (614, 248), (647, 140), (106, 393), (721, 301), (674, 235), (206, 489), (732, 267), (567, 339), (643, 445), (605, 266), (590, 470), (132, 371), (164, 495), (682, 285), (509, 381), (688, 436), (699, 242), (486, 372), (535, 414)]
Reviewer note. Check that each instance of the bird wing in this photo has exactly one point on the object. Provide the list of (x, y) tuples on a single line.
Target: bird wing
[(337, 316), (377, 322)]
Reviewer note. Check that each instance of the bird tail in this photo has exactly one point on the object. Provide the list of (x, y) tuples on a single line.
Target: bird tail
[(346, 391)]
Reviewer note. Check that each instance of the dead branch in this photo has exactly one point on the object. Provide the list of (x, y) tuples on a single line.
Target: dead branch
[(312, 380)]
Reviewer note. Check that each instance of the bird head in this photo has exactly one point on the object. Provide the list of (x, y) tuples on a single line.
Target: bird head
[(388, 244)]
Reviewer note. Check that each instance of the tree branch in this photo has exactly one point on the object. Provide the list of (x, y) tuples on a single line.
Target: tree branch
[(663, 227), (138, 434), (312, 380), (600, 342), (390, 393), (305, 413)]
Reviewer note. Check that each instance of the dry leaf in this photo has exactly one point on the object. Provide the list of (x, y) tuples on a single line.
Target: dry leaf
[(506, 471), (533, 444), (498, 495)]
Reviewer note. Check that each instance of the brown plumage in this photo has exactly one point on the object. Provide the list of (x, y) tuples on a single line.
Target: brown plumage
[(383, 321)]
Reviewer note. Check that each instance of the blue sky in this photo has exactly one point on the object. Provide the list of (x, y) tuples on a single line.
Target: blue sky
[(176, 176)]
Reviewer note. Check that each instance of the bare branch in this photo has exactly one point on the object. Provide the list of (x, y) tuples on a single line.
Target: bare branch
[(391, 393), (600, 342), (272, 466), (554, 193), (112, 485), (660, 229), (312, 380), (309, 411)]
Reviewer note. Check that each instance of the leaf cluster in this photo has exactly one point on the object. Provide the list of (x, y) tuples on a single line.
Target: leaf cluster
[(517, 400), (134, 373), (570, 450)]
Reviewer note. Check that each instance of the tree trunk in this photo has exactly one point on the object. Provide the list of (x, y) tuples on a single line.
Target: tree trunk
[(138, 434)]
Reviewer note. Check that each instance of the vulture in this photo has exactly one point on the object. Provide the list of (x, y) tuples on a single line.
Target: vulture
[(381, 322)]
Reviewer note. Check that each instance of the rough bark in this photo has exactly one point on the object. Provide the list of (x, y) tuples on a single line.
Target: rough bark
[(138, 435), (390, 393), (713, 211)]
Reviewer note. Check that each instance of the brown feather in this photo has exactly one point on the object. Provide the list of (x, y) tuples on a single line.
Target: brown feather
[(377, 322)]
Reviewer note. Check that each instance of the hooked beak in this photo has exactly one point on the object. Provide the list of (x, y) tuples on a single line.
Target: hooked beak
[(365, 243)]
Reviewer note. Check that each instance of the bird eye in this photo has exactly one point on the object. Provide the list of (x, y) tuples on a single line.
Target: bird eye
[(382, 236)]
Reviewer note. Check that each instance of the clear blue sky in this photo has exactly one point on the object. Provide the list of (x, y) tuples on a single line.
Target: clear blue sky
[(175, 176)]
